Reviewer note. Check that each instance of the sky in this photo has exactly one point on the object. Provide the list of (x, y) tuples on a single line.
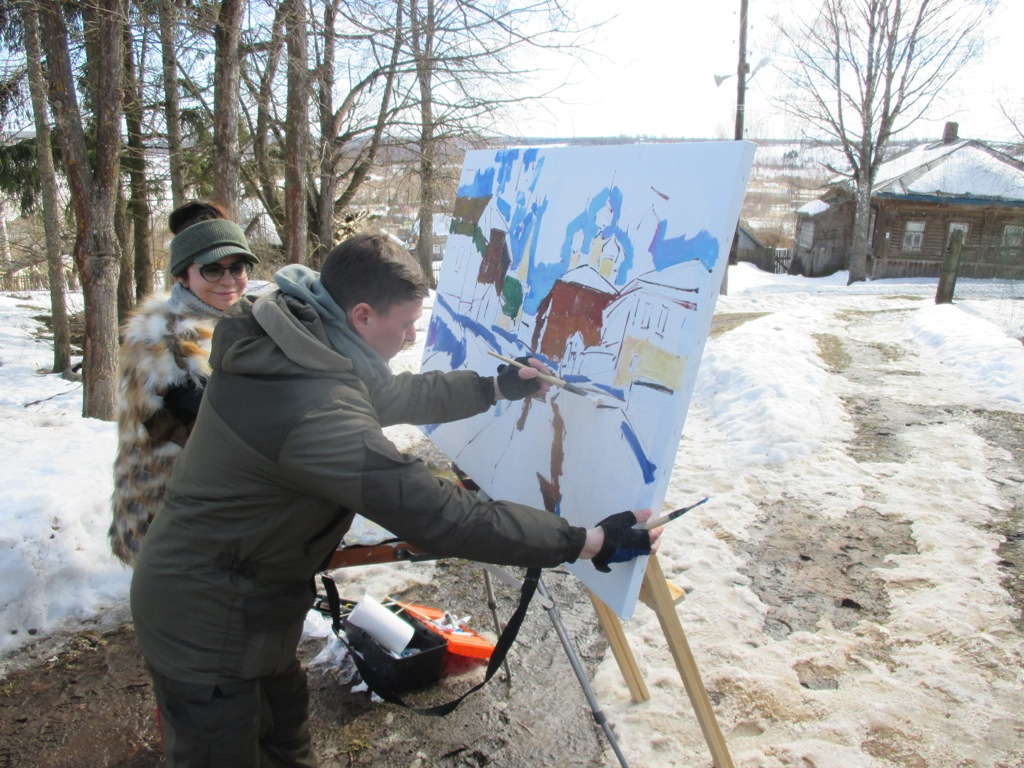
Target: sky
[(767, 421), (652, 73)]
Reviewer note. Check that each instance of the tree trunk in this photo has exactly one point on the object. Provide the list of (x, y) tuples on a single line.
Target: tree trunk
[(172, 110), (125, 271), (5, 238), (93, 188), (135, 162), (296, 137), (226, 80), (48, 180), (267, 180), (423, 46), (324, 225), (859, 240)]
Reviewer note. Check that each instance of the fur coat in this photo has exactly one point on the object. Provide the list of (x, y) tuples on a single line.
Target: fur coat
[(165, 346)]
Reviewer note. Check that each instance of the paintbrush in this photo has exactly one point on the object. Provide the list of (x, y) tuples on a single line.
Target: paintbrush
[(670, 516), (545, 377)]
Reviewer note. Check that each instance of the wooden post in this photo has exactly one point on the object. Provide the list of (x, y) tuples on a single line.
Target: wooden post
[(950, 267)]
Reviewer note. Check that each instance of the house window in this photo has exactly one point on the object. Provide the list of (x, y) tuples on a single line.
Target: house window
[(437, 248), (806, 236), (913, 236), (956, 226), (1013, 236)]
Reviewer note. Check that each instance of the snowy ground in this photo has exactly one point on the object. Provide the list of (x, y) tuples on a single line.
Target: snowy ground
[(923, 668)]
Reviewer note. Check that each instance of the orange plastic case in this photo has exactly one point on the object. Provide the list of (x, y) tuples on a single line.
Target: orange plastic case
[(462, 641)]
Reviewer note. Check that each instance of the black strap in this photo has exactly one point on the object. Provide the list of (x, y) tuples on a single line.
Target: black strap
[(382, 689)]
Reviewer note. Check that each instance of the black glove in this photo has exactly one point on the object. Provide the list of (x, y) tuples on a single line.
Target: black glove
[(512, 385), (622, 542), (183, 400)]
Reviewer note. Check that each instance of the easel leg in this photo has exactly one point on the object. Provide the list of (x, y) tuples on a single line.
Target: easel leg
[(581, 675), (620, 649), (654, 581), (493, 605)]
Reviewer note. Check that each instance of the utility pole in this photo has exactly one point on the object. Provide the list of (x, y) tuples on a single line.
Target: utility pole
[(741, 98), (741, 73)]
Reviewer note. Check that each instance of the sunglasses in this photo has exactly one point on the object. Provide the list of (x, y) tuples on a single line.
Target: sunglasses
[(213, 272)]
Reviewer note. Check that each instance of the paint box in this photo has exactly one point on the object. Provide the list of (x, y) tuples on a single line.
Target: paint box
[(420, 664)]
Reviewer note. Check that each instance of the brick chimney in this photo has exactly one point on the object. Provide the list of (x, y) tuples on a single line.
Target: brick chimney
[(949, 133)]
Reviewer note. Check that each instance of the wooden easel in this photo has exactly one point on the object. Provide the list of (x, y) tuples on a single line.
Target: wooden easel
[(662, 596)]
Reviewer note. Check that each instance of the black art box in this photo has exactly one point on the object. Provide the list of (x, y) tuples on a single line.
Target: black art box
[(419, 666)]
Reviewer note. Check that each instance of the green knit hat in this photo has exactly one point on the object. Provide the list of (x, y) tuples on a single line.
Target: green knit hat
[(207, 242)]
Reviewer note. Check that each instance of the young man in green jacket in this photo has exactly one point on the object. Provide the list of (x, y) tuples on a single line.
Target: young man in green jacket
[(288, 447)]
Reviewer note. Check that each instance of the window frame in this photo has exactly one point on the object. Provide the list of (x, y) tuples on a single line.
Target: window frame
[(913, 239), (1018, 235)]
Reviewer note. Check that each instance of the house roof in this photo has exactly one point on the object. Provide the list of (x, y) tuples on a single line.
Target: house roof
[(959, 169), (750, 236), (813, 208)]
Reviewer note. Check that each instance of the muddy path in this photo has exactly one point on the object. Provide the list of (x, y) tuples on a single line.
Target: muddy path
[(85, 701)]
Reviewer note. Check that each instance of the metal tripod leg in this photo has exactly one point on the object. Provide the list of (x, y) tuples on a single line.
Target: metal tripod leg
[(577, 667), (493, 605)]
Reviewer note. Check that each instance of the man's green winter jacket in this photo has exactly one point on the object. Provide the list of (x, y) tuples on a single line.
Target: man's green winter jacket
[(287, 449)]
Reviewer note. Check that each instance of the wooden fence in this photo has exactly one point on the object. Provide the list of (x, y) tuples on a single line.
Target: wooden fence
[(978, 262), (774, 260)]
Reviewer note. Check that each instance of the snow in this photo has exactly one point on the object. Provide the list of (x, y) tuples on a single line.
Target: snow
[(971, 172), (940, 680), (961, 169), (814, 207)]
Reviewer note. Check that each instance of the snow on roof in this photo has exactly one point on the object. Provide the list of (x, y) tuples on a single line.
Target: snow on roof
[(962, 168), (970, 172), (813, 208)]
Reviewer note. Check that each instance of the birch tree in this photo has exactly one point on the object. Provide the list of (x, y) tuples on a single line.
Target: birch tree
[(865, 70)]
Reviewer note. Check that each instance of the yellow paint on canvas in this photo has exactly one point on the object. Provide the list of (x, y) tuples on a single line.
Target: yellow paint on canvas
[(640, 359)]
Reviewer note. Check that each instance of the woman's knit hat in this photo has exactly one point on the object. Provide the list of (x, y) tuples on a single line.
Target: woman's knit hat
[(207, 242)]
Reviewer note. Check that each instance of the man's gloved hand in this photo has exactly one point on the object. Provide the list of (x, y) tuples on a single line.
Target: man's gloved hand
[(512, 385), (622, 542)]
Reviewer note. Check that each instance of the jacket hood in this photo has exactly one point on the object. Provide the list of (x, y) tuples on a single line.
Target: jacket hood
[(277, 335)]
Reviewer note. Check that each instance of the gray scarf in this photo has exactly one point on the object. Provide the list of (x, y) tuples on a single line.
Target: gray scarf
[(184, 298), (304, 284)]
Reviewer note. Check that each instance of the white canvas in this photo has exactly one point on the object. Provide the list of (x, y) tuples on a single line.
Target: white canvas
[(605, 263)]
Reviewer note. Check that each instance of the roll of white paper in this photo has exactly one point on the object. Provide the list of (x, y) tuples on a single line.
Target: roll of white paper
[(381, 624)]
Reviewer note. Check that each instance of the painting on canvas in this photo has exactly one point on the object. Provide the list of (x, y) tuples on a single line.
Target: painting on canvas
[(605, 263)]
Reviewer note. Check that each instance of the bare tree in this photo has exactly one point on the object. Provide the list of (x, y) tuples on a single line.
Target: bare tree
[(468, 56), (93, 182), (865, 70), (423, 28), (296, 139), (140, 266), (342, 149), (48, 180), (172, 109), (227, 77), (1015, 118)]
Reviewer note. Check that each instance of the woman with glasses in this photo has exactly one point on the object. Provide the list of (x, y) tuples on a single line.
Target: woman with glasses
[(164, 363)]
